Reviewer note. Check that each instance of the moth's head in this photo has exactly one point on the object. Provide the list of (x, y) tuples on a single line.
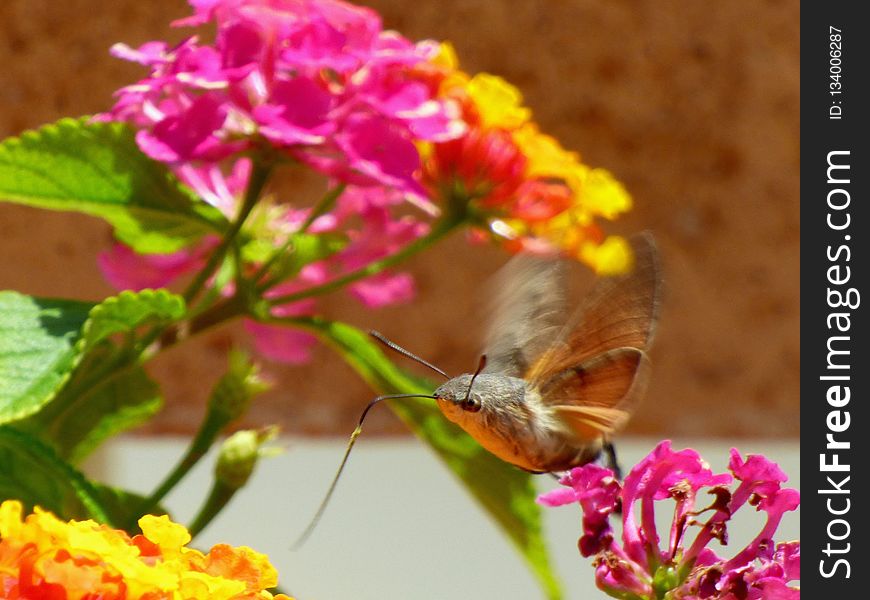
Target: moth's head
[(455, 398)]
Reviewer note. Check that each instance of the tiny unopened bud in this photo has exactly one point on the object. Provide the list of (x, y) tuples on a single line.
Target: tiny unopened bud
[(239, 455), (232, 394)]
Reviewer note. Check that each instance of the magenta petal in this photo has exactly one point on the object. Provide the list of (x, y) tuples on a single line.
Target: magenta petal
[(298, 113), (384, 289), (155, 148), (757, 475), (187, 135), (127, 270), (318, 44), (360, 24), (149, 53), (334, 35), (784, 500), (440, 126), (557, 497), (788, 554), (281, 344), (203, 13), (597, 491), (761, 581), (241, 44), (756, 467), (382, 151), (200, 67), (409, 99), (381, 236), (221, 191), (398, 97), (311, 274), (707, 557), (777, 589), (617, 576)]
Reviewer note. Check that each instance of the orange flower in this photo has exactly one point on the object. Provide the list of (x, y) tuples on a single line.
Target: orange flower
[(43, 557), (482, 165), (534, 195)]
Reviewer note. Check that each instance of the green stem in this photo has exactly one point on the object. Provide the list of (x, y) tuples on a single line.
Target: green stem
[(324, 206), (441, 229), (257, 182), (218, 498), (238, 267), (321, 208), (218, 313), (198, 448), (259, 176)]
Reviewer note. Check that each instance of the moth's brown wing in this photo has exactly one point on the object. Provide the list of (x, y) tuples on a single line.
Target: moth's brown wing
[(527, 313), (619, 312), (597, 397)]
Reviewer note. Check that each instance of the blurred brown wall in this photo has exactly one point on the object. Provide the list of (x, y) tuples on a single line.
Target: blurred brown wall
[(694, 105)]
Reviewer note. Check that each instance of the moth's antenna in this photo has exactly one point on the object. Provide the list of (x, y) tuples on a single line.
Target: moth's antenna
[(480, 366), (356, 432), (395, 347)]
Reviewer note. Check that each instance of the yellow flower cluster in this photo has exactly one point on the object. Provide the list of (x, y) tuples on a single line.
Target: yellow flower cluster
[(556, 199), (44, 557)]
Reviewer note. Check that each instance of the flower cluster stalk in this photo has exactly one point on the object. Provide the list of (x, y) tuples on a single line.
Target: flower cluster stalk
[(257, 183), (439, 231)]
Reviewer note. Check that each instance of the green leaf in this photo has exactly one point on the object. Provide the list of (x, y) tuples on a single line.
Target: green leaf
[(68, 383), (109, 392), (30, 471), (127, 311), (97, 169), (97, 404), (38, 340), (506, 492)]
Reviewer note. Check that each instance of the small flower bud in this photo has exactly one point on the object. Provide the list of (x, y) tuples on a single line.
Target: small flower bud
[(232, 394), (239, 455)]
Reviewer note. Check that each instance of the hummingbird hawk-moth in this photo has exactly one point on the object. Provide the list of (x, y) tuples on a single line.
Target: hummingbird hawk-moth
[(551, 388), (554, 390)]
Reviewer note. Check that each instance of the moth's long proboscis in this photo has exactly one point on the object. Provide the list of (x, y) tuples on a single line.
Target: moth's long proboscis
[(350, 443)]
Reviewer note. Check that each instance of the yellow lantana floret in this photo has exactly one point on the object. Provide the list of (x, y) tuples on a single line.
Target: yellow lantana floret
[(499, 104), (546, 156), (446, 57), (612, 257), (602, 194)]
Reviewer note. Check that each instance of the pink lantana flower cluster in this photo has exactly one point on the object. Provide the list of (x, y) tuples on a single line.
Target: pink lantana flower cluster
[(319, 79), (639, 568)]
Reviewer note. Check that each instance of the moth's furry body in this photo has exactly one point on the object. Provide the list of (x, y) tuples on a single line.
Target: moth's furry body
[(553, 388), (513, 423)]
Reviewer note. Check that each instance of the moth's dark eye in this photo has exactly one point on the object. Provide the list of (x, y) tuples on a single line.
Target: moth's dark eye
[(471, 404)]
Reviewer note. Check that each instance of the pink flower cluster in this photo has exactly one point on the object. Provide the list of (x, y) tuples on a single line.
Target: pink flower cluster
[(686, 569), (318, 81)]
